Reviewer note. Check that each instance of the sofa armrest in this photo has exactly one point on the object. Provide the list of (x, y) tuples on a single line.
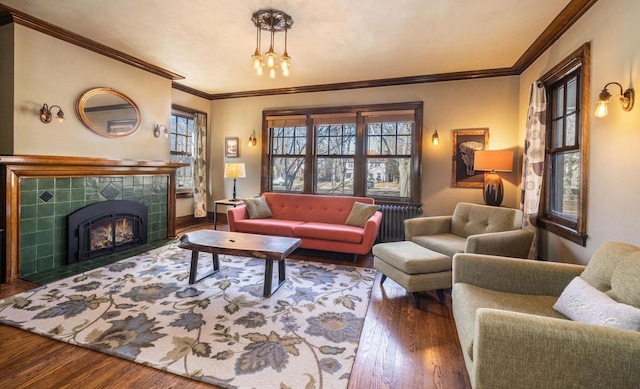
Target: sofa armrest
[(514, 243), (429, 225), (371, 228), (513, 275), (234, 214), (516, 350)]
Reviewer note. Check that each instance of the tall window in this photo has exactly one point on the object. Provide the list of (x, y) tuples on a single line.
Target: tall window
[(369, 151), (563, 205), (182, 148)]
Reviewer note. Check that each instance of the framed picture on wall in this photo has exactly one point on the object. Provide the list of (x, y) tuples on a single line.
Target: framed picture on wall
[(231, 147), (465, 143)]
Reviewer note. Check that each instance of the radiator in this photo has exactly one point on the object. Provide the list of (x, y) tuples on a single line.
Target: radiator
[(393, 216)]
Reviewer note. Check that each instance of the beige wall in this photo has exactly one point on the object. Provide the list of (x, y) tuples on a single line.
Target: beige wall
[(184, 207), (613, 211), (48, 70), (491, 103)]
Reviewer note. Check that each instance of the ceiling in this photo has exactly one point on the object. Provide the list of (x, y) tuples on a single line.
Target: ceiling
[(210, 42)]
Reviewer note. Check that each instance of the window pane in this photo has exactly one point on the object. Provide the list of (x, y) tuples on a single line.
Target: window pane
[(288, 174), (374, 145), (559, 102), (572, 97), (558, 133), (571, 130), (389, 177), (334, 176), (404, 146), (566, 184)]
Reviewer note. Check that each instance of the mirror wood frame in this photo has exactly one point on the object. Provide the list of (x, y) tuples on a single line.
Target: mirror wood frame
[(82, 114)]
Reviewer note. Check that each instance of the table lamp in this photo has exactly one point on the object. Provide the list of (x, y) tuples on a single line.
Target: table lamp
[(234, 170), (493, 161)]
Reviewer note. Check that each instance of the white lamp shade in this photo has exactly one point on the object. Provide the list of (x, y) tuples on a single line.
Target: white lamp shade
[(234, 170), (496, 160)]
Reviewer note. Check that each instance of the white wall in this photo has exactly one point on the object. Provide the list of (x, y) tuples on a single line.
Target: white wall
[(51, 71), (491, 103), (612, 208)]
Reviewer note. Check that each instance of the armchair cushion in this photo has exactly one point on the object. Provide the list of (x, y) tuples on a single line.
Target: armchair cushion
[(625, 284), (447, 244), (586, 304)]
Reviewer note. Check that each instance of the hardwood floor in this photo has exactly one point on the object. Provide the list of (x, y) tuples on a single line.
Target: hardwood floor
[(401, 347)]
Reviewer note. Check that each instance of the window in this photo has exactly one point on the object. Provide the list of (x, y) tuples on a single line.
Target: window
[(565, 185), (369, 151), (182, 147)]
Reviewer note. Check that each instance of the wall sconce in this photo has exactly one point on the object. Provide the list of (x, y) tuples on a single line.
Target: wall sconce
[(626, 100), (252, 139), (435, 139), (45, 113), (157, 130)]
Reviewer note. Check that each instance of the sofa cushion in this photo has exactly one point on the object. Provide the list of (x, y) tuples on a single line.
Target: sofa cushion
[(471, 219), (475, 297), (271, 226), (582, 302), (360, 213), (604, 261), (336, 232), (447, 244), (257, 208), (625, 281)]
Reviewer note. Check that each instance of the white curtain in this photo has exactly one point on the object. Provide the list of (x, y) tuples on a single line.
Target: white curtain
[(533, 164), (200, 167)]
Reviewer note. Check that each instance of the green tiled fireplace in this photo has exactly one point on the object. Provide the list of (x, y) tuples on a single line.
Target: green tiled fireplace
[(45, 204)]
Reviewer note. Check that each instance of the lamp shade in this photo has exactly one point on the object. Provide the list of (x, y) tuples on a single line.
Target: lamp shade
[(234, 170), (496, 160)]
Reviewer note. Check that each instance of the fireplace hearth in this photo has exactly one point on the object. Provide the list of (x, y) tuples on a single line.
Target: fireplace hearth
[(106, 227)]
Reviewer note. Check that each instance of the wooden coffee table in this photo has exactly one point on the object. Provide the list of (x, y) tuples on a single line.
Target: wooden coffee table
[(269, 248)]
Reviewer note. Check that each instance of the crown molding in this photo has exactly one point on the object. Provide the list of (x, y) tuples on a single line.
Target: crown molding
[(10, 15)]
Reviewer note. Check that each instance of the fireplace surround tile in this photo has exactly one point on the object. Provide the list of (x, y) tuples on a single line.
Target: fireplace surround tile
[(43, 235)]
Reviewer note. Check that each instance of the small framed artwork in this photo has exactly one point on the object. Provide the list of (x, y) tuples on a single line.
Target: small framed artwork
[(465, 143), (121, 127), (231, 147)]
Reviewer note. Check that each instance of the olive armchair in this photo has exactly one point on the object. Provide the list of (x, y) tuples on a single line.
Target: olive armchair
[(473, 228), (512, 336)]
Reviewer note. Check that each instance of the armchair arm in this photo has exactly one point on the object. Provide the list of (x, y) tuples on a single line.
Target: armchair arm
[(514, 275), (516, 350), (429, 225), (236, 213), (514, 243)]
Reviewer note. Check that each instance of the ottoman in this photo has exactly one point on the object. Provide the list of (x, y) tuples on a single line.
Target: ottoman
[(413, 267)]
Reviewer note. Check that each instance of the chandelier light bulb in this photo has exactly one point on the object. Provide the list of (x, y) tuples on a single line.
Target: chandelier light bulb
[(272, 72), (285, 64), (271, 58), (259, 70)]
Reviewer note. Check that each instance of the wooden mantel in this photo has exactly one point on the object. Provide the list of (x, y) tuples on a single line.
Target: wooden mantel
[(15, 167)]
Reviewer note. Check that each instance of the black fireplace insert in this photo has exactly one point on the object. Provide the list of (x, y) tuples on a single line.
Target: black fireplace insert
[(106, 227)]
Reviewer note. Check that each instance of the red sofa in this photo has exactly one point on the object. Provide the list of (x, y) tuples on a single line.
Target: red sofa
[(316, 219)]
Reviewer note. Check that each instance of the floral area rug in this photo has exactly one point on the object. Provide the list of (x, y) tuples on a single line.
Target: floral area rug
[(220, 330)]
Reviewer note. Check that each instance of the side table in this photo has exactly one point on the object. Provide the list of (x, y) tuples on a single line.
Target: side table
[(227, 202)]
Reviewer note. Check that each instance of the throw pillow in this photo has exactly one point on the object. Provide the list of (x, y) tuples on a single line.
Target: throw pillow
[(257, 208), (360, 213), (582, 302)]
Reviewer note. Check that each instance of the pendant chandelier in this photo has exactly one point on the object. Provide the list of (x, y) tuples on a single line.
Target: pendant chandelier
[(273, 21)]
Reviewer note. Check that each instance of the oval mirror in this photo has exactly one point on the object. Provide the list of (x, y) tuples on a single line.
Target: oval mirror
[(108, 112)]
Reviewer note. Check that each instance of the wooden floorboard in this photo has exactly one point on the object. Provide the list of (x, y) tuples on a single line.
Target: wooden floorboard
[(400, 347)]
